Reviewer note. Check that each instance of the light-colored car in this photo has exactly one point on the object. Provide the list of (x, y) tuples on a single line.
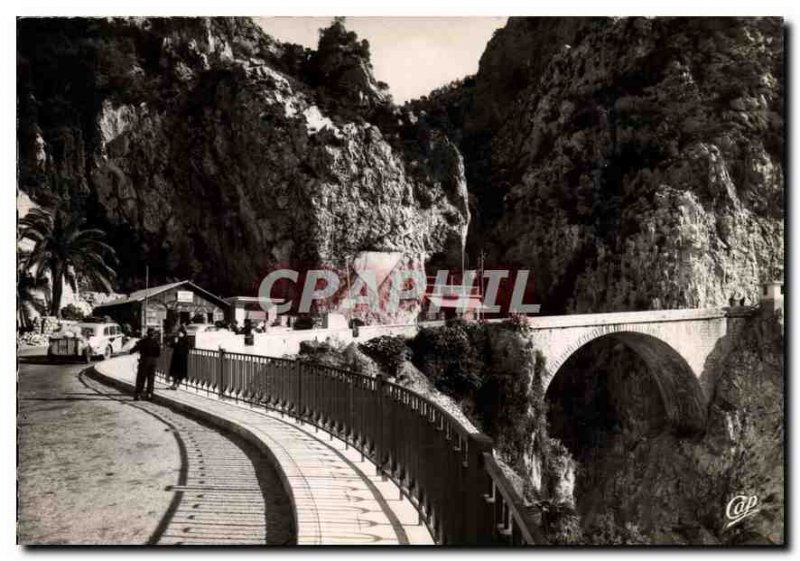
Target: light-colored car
[(86, 340)]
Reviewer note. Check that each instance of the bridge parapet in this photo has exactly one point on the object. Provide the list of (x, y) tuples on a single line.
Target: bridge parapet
[(650, 316)]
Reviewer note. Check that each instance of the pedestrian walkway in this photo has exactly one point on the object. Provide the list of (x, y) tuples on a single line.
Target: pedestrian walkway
[(223, 495), (337, 496), (97, 468)]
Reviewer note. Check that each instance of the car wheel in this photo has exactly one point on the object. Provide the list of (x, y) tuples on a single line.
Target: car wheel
[(109, 352)]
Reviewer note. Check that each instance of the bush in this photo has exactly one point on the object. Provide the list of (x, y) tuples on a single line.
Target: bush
[(332, 353), (517, 323), (315, 349), (449, 357), (605, 531), (72, 312), (32, 339), (305, 322), (388, 351), (561, 524)]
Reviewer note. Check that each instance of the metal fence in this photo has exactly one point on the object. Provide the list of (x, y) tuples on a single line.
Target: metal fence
[(448, 473)]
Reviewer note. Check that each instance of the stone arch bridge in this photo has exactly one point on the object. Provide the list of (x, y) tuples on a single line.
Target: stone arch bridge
[(682, 348)]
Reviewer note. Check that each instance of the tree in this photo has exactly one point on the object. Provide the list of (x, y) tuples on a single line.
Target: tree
[(71, 311), (28, 287), (65, 250)]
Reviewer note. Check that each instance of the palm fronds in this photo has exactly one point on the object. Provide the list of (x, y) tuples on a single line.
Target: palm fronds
[(66, 251)]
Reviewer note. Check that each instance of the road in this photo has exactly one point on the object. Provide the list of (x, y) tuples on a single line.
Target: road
[(95, 467)]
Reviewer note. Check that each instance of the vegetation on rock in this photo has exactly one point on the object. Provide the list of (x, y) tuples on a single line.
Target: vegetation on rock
[(65, 250), (213, 152), (388, 352), (72, 312), (595, 147)]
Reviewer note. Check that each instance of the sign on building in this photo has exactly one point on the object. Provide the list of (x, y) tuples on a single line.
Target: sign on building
[(185, 296)]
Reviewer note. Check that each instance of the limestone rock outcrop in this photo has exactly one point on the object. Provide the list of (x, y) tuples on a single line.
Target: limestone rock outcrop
[(631, 163), (645, 166), (198, 146)]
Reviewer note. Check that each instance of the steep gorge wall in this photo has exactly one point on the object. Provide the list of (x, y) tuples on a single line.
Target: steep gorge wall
[(197, 146), (631, 163)]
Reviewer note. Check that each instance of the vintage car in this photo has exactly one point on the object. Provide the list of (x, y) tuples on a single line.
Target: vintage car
[(86, 340)]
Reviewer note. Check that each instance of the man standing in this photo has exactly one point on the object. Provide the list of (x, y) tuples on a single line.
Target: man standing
[(149, 350)]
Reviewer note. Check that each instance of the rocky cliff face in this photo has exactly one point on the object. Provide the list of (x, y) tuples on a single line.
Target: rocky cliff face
[(638, 161), (216, 152), (634, 164)]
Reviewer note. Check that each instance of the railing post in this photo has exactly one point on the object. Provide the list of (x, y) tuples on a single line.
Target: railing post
[(221, 387), (299, 375), (379, 433), (477, 514), (350, 414)]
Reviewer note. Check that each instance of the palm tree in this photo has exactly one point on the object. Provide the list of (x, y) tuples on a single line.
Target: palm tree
[(29, 286), (65, 250)]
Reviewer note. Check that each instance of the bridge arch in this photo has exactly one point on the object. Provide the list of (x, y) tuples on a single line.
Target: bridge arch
[(682, 395)]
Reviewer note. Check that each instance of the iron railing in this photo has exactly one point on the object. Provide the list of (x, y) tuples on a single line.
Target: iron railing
[(447, 472)]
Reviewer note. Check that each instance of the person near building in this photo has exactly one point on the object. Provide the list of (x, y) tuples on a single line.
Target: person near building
[(149, 350), (179, 362)]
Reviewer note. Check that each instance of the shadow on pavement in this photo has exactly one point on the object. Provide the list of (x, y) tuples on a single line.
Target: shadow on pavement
[(179, 507), (44, 359)]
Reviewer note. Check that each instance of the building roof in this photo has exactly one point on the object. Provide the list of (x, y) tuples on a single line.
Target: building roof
[(253, 300), (140, 295)]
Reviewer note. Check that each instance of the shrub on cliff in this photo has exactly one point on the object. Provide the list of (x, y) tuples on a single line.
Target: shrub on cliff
[(315, 351), (449, 358), (605, 531), (561, 524), (341, 72), (72, 312), (335, 354), (516, 323), (388, 351)]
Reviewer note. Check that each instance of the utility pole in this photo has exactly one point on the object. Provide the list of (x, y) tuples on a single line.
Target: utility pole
[(351, 311), (146, 288), (481, 265)]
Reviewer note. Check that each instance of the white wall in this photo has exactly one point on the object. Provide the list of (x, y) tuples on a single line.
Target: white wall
[(278, 343)]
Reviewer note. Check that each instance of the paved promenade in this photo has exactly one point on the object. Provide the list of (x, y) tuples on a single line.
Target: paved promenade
[(338, 498), (95, 467)]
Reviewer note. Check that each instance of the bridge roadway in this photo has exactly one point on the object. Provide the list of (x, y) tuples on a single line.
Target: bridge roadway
[(337, 497)]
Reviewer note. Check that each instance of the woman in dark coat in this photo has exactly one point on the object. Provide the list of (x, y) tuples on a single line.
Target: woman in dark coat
[(180, 359)]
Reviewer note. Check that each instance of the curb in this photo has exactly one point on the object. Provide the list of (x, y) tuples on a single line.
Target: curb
[(225, 425)]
